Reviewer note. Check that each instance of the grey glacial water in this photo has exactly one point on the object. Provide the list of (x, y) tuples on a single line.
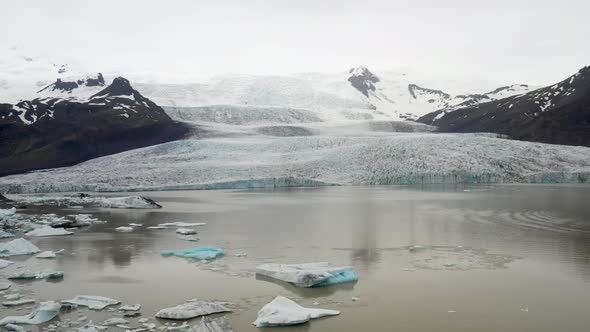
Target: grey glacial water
[(495, 258)]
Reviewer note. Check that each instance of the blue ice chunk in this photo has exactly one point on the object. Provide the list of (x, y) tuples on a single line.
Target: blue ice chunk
[(200, 253), (339, 277), (4, 234)]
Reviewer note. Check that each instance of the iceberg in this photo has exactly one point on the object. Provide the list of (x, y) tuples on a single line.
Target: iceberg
[(284, 312), (185, 231), (29, 275), (49, 254), (92, 302), (182, 224), (7, 212), (191, 310), (4, 286), (4, 263), (48, 231), (200, 253), (4, 235), (44, 313), (308, 274), (14, 303), (213, 325), (18, 247)]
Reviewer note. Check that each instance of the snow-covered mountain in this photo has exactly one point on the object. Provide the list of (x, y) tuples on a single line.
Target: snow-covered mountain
[(558, 114)]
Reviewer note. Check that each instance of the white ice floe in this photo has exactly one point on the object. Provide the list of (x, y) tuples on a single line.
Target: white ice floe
[(88, 328), (49, 254), (15, 328), (115, 321), (207, 324), (283, 312), (44, 313), (124, 229), (158, 228), (4, 285), (135, 225), (48, 231), (182, 224), (92, 302), (130, 307), (192, 309), (4, 263), (7, 212), (190, 238), (37, 275), (17, 247), (185, 231), (12, 297), (14, 303), (126, 202), (308, 274)]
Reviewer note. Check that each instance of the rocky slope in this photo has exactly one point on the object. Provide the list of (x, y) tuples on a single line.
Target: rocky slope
[(72, 121), (557, 114)]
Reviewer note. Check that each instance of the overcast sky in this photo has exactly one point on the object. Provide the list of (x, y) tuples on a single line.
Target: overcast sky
[(531, 41)]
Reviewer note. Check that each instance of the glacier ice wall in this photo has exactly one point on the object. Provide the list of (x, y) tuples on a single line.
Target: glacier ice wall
[(262, 162)]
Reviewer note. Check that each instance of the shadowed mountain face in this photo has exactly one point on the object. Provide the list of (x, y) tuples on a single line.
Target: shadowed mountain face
[(558, 114), (66, 129)]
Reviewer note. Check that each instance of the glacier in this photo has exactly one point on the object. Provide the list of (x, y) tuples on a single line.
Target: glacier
[(338, 159), (284, 312), (308, 274)]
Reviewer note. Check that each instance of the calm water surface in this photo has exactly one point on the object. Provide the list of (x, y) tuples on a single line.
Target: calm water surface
[(505, 258)]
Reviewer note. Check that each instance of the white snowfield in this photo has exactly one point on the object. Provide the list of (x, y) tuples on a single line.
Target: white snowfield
[(246, 162)]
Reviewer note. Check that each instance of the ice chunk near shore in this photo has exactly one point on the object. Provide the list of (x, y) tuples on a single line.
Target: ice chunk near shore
[(192, 309), (200, 253), (29, 275), (284, 312), (48, 231), (124, 229), (308, 274), (7, 212), (49, 254), (213, 325), (44, 313), (4, 235), (185, 231), (17, 247), (4, 263), (92, 302), (14, 303), (4, 285)]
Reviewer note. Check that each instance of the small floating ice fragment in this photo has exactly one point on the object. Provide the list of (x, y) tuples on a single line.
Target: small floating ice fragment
[(17, 247), (241, 254), (44, 313), (130, 307), (213, 325), (15, 328), (48, 231), (7, 212), (200, 253), (135, 225), (185, 231), (308, 274), (49, 254), (115, 321), (4, 235), (355, 299), (157, 227), (4, 263), (4, 285), (12, 297), (15, 303), (92, 302), (191, 310), (124, 229), (190, 238), (37, 275), (284, 312)]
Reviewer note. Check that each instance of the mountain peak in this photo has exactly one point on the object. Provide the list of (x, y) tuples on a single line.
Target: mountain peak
[(362, 79), (119, 87), (67, 86)]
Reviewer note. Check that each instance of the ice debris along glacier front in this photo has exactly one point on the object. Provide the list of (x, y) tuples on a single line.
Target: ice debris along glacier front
[(44, 313), (125, 202), (17, 247), (284, 312), (308, 274), (199, 253), (192, 309), (247, 162), (30, 275), (92, 302)]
